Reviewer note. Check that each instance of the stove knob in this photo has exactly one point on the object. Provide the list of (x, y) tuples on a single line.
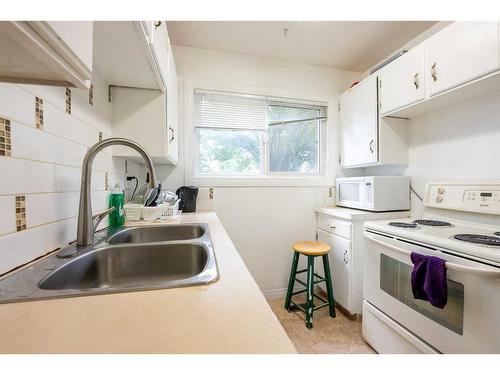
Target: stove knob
[(439, 199), (440, 190)]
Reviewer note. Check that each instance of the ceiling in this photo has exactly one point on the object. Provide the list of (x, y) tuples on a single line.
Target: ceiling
[(349, 45)]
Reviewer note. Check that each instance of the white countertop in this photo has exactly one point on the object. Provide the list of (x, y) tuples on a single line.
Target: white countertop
[(228, 316), (353, 214)]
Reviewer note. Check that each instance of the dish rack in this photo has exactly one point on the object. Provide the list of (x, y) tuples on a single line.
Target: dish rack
[(170, 212), (136, 212), (133, 211)]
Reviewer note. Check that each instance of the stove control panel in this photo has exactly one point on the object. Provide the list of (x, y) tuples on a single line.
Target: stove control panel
[(473, 196), (482, 196)]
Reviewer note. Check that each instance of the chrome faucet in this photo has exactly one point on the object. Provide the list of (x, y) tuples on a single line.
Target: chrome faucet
[(86, 222)]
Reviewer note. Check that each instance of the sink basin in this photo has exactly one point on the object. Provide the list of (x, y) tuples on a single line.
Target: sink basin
[(131, 259), (129, 266), (158, 234)]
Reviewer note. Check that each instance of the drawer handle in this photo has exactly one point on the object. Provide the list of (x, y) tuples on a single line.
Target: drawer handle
[(332, 227), (434, 72), (346, 257), (173, 135), (416, 81)]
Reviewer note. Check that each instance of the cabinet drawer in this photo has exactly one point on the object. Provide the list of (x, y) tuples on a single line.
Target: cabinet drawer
[(332, 225)]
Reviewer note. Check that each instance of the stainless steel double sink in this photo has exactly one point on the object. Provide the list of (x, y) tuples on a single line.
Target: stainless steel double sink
[(127, 259)]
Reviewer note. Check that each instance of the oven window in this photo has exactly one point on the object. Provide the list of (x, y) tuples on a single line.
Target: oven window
[(395, 279), (349, 192)]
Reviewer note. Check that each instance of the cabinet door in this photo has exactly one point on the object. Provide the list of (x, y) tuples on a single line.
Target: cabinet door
[(172, 110), (340, 266), (359, 124), (402, 81), (160, 44), (460, 53)]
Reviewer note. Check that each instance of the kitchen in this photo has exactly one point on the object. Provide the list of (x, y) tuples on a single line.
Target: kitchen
[(212, 157)]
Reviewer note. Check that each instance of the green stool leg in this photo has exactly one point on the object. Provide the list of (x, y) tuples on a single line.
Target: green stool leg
[(329, 288), (291, 282), (310, 291)]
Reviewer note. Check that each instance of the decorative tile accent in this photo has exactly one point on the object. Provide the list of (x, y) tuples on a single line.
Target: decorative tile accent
[(68, 100), (106, 181), (91, 95), (100, 136), (39, 113), (5, 145), (20, 212)]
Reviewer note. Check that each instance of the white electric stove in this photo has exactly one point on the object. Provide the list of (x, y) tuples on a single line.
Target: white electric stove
[(461, 224)]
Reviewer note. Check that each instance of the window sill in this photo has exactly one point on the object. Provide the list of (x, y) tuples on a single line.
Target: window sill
[(264, 181)]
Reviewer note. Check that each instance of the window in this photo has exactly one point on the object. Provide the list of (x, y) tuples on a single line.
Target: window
[(249, 135)]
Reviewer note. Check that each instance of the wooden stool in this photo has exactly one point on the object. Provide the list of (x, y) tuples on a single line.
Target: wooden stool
[(311, 250)]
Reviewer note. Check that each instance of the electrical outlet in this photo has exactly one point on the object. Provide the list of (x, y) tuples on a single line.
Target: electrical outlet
[(330, 192), (211, 193)]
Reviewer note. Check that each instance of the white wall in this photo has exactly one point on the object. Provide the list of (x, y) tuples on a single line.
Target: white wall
[(455, 143), (263, 222), (45, 166)]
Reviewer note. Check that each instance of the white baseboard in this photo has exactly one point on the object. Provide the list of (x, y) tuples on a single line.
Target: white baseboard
[(274, 293), (279, 293)]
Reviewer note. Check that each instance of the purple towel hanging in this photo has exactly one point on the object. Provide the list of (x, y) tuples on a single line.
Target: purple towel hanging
[(428, 279)]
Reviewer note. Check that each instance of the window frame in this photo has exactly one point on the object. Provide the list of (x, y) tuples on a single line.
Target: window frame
[(325, 177)]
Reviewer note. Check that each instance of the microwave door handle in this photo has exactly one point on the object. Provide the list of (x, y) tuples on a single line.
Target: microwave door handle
[(451, 266)]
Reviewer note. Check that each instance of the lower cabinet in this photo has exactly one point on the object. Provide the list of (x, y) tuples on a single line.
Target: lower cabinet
[(342, 229), (341, 267)]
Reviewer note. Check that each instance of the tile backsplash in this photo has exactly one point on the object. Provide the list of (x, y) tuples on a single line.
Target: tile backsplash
[(44, 134)]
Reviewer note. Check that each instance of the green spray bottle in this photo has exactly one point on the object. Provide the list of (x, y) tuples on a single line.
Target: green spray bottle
[(117, 200)]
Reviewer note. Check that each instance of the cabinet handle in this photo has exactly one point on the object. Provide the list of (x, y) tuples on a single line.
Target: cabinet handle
[(371, 146), (434, 72), (157, 24), (346, 257), (173, 135), (416, 81), (332, 227)]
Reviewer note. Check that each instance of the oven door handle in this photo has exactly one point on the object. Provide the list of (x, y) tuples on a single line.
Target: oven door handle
[(451, 266)]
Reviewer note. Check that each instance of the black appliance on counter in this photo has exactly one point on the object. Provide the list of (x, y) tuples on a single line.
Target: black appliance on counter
[(187, 195)]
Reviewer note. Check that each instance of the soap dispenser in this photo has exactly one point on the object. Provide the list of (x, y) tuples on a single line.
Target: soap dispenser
[(117, 200)]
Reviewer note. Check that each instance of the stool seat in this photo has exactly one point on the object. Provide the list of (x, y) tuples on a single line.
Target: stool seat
[(311, 248)]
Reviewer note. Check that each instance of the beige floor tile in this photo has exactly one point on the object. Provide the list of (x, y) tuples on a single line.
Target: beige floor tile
[(329, 335)]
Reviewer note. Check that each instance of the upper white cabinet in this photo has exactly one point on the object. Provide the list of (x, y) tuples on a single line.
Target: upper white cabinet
[(403, 82), (172, 110), (159, 43), (54, 53), (460, 53), (359, 124), (132, 53), (461, 62), (365, 137), (149, 116)]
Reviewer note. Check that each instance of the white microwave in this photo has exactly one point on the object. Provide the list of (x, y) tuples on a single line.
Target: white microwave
[(374, 193)]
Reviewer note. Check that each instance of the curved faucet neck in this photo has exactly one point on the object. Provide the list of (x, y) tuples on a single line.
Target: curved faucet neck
[(85, 231)]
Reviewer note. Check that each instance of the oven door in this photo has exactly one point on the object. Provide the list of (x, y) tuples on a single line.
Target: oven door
[(351, 193), (469, 323)]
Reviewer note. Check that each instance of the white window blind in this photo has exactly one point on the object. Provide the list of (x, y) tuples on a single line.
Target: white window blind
[(229, 111)]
